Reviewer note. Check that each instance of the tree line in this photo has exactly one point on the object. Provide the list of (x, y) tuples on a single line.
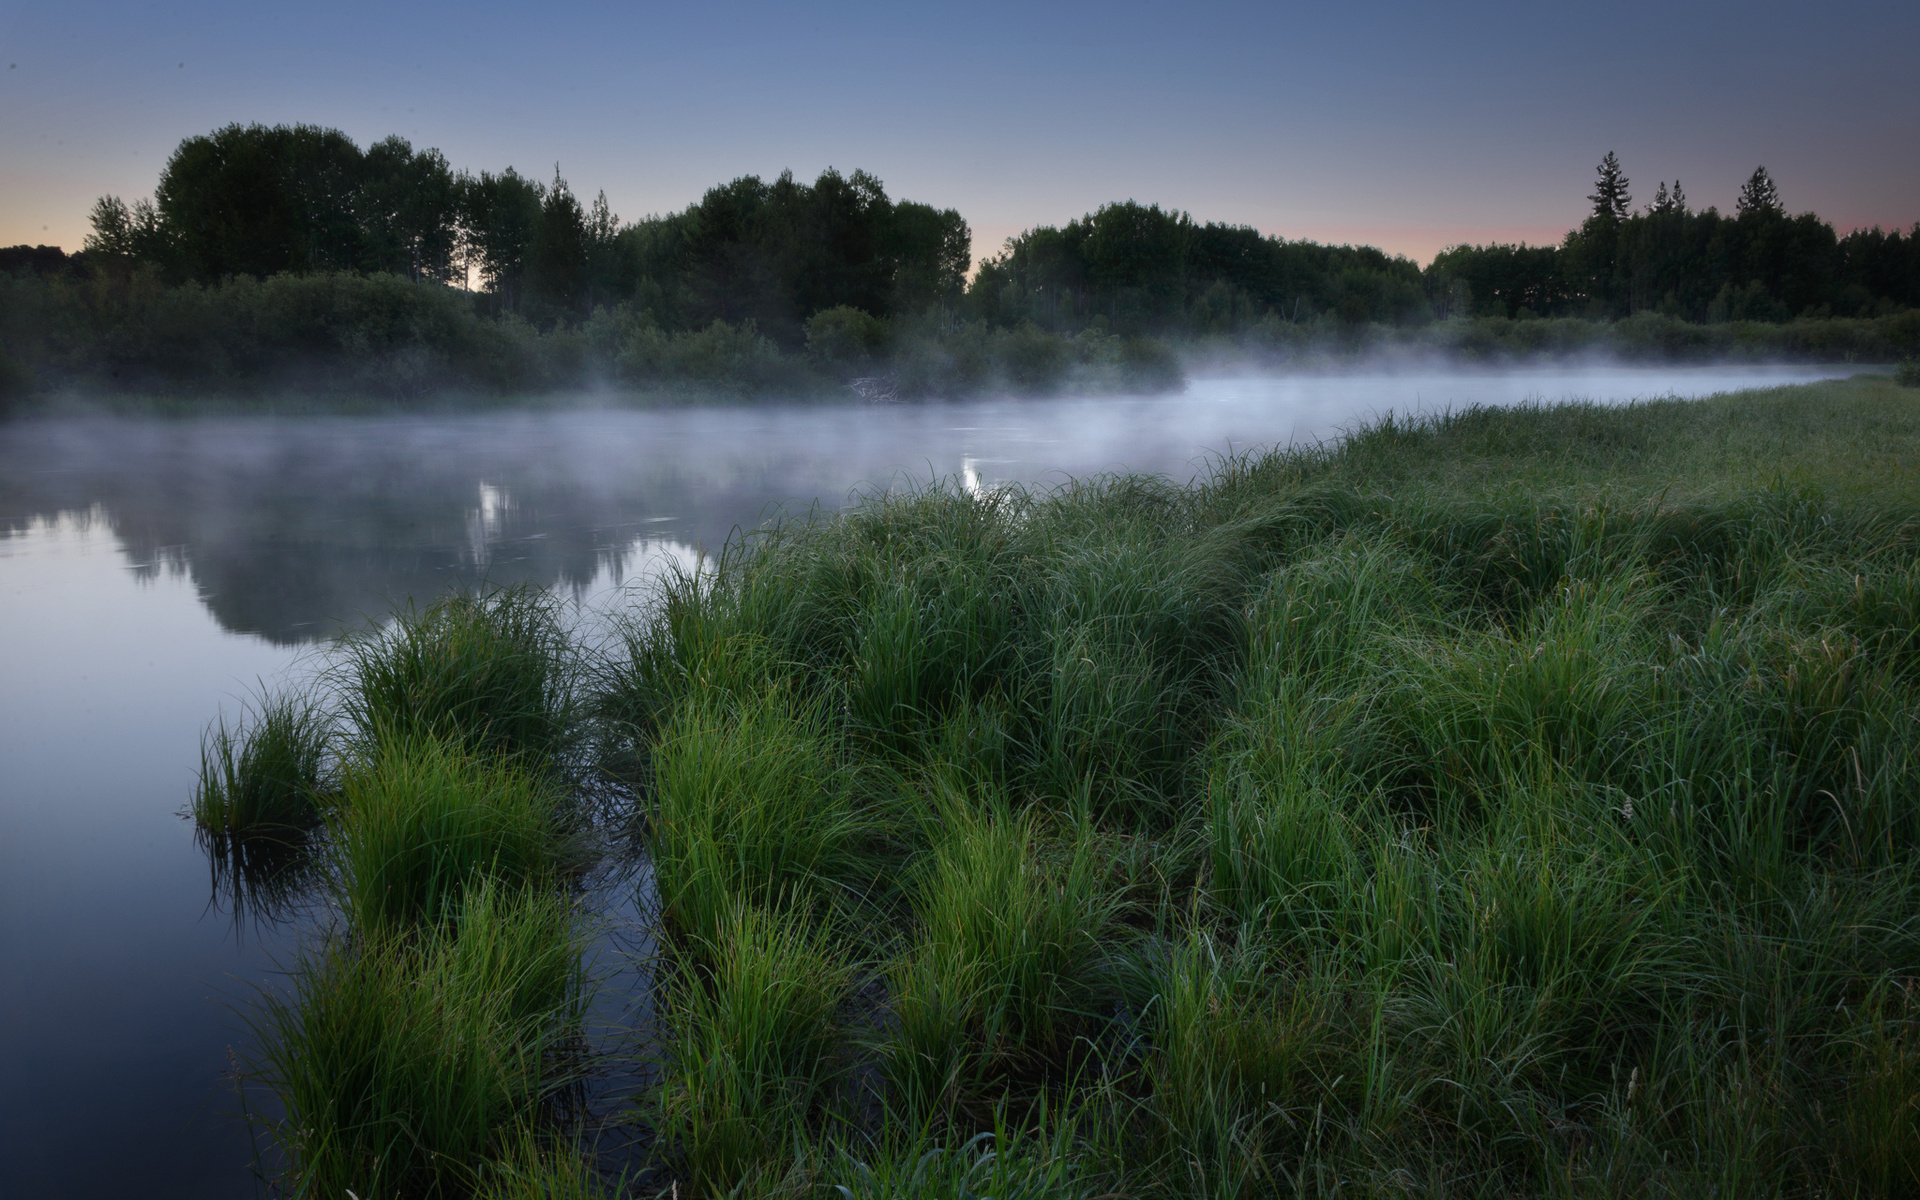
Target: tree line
[(1758, 263), (255, 200), (839, 259)]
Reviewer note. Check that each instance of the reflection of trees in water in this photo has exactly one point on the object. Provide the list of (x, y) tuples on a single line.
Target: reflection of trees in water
[(290, 527)]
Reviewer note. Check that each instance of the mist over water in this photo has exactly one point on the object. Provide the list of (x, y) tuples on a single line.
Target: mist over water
[(153, 571), (290, 527)]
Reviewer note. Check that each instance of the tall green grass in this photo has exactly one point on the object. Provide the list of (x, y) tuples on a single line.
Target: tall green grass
[(749, 806), (493, 671), (267, 778), (431, 1035), (401, 1062), (751, 1052), (999, 975), (1504, 802), (423, 822)]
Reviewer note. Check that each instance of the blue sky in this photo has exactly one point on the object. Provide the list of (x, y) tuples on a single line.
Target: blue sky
[(1410, 126)]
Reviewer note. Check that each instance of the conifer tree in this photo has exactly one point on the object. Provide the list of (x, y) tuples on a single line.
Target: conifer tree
[(1610, 199), (1759, 195)]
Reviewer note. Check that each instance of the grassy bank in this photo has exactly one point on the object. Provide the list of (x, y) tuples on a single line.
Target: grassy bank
[(1512, 802)]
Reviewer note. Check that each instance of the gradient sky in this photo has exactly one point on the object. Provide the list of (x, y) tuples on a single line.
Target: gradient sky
[(1408, 126)]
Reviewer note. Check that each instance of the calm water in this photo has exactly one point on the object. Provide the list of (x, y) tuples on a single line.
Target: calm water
[(153, 572)]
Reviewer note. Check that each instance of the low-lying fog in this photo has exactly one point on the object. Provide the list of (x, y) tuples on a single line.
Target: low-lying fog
[(288, 526)]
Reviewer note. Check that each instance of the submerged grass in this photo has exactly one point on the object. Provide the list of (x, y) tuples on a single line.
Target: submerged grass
[(1504, 802)]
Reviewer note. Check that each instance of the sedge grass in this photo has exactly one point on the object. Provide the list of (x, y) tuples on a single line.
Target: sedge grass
[(401, 1062), (999, 975), (749, 806), (1513, 802), (752, 1050), (422, 822), (268, 778), (493, 671)]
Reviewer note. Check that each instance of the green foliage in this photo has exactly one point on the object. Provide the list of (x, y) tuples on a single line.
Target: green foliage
[(752, 1050), (1008, 1160), (844, 336), (530, 1166), (402, 1063), (998, 977), (492, 672), (749, 807), (1907, 374), (1508, 802), (421, 824), (269, 778)]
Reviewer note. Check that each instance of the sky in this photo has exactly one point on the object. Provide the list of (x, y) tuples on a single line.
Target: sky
[(1407, 126)]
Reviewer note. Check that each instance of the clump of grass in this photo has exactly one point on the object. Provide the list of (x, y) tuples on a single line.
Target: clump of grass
[(1907, 374), (527, 1164), (751, 1052), (1045, 1157), (999, 975), (422, 822), (402, 1062), (749, 806), (494, 672), (268, 778), (1237, 1060)]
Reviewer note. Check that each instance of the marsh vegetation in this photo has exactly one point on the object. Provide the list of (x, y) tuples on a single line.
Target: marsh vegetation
[(1494, 803)]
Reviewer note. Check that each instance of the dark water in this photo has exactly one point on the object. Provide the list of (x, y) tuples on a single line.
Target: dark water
[(153, 572)]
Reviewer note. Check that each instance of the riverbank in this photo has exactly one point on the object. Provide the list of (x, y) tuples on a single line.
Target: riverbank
[(351, 342)]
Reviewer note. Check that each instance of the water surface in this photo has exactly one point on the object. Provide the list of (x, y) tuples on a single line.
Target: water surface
[(153, 572)]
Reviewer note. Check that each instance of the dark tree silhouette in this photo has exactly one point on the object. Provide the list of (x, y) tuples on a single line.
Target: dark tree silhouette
[(1610, 198)]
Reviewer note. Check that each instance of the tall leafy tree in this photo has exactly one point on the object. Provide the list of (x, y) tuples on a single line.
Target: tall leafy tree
[(498, 217), (408, 206), (257, 200)]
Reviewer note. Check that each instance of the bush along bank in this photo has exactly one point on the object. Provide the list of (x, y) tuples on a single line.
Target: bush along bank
[(384, 339), (345, 338), (1510, 802)]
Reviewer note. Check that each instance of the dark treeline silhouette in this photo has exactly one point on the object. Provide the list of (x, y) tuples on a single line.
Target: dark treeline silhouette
[(257, 201), (289, 257), (1758, 264), (1139, 265)]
